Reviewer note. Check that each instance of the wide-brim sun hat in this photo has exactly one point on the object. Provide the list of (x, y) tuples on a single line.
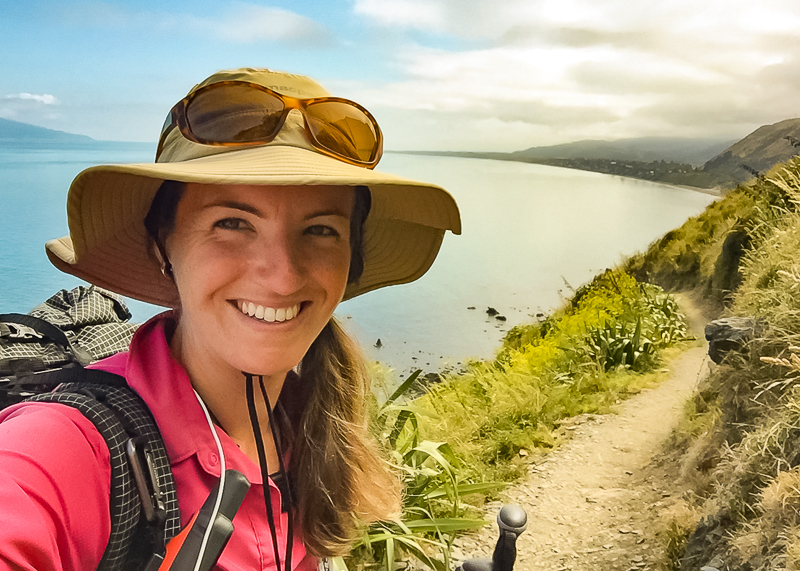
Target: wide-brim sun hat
[(109, 246)]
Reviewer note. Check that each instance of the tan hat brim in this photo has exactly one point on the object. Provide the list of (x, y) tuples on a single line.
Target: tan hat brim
[(109, 246)]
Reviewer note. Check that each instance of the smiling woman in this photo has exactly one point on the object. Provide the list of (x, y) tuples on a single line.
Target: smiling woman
[(252, 236)]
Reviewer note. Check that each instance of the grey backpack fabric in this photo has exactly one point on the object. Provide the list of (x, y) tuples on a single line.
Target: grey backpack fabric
[(41, 359), (93, 324)]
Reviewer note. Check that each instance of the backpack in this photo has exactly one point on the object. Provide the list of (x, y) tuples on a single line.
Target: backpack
[(42, 355)]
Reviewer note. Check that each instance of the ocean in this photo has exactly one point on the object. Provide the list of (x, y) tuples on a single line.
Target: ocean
[(531, 234)]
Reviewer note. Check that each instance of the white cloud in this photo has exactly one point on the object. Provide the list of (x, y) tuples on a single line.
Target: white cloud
[(415, 14), (248, 23), (28, 107), (237, 22), (563, 70), (44, 99)]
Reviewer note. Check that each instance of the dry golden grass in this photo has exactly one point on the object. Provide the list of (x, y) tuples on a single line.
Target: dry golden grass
[(740, 437)]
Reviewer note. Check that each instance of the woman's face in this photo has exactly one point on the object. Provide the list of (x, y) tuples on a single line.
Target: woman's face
[(259, 271)]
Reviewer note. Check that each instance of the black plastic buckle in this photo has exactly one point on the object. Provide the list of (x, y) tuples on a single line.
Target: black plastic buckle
[(152, 497)]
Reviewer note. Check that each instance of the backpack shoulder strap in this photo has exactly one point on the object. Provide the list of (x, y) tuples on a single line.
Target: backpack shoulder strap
[(144, 503)]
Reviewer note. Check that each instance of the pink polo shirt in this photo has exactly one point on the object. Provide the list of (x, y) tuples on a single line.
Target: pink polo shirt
[(55, 472)]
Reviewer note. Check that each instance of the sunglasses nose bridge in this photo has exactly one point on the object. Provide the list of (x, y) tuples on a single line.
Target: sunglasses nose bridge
[(293, 132)]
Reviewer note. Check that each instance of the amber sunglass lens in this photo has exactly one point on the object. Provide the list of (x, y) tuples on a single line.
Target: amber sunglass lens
[(234, 114), (343, 129)]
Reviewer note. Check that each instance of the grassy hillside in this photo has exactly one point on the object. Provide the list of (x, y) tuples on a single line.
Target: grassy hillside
[(739, 445), (474, 432), (694, 152), (759, 152)]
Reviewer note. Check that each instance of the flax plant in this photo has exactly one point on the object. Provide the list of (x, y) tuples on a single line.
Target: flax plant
[(434, 507)]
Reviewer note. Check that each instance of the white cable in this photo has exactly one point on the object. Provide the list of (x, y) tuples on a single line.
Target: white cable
[(222, 465)]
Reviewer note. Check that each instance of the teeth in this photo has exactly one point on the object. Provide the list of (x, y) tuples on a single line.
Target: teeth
[(269, 314)]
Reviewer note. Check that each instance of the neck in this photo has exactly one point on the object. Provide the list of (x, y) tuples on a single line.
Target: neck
[(222, 389)]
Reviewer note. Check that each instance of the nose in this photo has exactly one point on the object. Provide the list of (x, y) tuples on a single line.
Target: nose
[(279, 264)]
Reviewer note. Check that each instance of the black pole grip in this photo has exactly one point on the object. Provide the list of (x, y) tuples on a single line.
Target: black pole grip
[(512, 521), (233, 493)]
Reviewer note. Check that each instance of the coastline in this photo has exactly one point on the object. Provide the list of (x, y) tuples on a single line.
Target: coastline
[(713, 191)]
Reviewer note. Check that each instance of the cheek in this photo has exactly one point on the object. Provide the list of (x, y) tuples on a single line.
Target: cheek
[(332, 269), (199, 271)]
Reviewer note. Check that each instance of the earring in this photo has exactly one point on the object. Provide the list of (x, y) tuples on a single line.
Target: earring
[(166, 270)]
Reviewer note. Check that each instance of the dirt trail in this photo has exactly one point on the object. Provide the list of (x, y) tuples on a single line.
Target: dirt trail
[(594, 503)]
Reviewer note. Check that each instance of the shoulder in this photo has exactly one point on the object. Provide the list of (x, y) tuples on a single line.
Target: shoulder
[(54, 487), (50, 429)]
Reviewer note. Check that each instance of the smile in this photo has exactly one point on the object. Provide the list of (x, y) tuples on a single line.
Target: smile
[(268, 314)]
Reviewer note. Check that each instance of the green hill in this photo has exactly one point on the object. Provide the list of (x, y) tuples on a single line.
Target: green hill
[(759, 151), (694, 152)]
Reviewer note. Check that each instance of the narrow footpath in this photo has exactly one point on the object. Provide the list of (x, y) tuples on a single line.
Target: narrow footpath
[(595, 502)]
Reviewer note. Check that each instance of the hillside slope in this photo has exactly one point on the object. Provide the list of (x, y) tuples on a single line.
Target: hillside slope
[(760, 151), (737, 447), (671, 149), (12, 132)]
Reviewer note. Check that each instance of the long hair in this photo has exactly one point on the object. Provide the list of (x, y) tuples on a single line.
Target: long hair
[(338, 474)]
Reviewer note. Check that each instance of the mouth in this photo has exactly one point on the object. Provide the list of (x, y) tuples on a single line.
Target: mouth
[(268, 314)]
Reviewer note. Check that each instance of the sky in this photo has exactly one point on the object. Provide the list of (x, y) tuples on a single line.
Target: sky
[(463, 75)]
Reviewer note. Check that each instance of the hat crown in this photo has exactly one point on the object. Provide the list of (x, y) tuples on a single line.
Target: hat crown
[(291, 84), (178, 148)]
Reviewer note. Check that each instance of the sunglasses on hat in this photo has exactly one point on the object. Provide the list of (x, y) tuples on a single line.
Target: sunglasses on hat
[(243, 114)]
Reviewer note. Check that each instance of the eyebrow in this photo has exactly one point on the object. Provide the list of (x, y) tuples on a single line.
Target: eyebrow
[(245, 207), (331, 212), (236, 206)]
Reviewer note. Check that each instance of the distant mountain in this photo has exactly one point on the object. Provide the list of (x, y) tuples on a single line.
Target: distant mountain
[(694, 152), (670, 160), (15, 132), (701, 163), (756, 153)]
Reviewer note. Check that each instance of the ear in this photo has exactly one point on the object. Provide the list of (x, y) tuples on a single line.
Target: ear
[(160, 254), (155, 251)]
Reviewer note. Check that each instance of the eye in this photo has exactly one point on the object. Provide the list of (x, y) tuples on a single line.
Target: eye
[(231, 224), (321, 230)]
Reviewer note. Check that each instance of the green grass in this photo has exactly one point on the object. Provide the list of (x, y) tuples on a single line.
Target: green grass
[(740, 435), (469, 435), (703, 255), (474, 429), (583, 359)]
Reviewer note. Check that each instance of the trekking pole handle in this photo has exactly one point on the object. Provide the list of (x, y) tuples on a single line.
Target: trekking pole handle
[(512, 521), (512, 518)]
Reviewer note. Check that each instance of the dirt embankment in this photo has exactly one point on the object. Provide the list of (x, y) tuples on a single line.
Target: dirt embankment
[(596, 502)]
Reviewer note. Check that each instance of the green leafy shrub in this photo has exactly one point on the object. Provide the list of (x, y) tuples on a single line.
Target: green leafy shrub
[(576, 361), (434, 508)]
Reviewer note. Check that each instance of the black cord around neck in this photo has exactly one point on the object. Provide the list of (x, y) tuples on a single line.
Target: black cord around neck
[(262, 461), (284, 476)]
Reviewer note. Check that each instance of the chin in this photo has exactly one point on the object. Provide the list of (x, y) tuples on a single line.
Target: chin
[(266, 367)]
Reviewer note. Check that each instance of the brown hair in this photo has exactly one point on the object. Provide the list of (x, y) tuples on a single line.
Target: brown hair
[(339, 477)]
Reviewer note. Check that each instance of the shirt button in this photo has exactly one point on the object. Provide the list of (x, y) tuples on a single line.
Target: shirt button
[(213, 459)]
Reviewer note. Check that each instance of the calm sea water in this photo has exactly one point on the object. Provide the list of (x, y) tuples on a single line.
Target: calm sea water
[(531, 234)]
